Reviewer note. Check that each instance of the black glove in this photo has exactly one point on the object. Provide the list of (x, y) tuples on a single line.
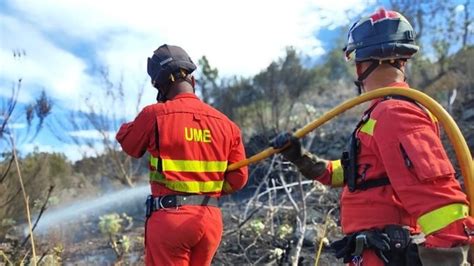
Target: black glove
[(344, 248), (377, 240), (354, 245), (291, 153)]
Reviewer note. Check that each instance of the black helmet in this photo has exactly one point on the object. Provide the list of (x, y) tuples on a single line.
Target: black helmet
[(385, 35), (168, 64)]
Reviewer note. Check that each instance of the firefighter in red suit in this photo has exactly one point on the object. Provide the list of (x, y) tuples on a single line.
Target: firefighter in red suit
[(401, 203), (190, 145)]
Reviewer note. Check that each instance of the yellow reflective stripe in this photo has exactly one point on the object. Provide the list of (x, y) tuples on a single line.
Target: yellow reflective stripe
[(193, 186), (337, 177), (368, 127), (194, 166), (189, 186), (437, 219), (154, 161)]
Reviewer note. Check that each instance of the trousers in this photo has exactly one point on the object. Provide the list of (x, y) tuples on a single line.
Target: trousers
[(188, 235)]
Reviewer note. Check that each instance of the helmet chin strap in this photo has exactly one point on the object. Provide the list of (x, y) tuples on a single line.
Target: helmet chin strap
[(375, 63), (163, 93), (161, 96), (360, 80)]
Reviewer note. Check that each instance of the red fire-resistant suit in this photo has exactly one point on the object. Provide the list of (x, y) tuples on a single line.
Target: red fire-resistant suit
[(190, 144), (401, 141)]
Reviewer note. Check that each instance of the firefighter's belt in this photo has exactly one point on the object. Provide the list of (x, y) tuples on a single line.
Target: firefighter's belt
[(175, 201), (393, 245)]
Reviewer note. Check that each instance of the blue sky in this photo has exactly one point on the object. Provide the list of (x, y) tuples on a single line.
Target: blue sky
[(68, 41)]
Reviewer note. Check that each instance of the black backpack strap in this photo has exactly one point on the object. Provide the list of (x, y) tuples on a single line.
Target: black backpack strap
[(349, 158), (399, 97), (379, 182), (404, 98)]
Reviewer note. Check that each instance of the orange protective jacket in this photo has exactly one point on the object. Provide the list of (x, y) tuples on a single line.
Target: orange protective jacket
[(401, 141), (190, 144)]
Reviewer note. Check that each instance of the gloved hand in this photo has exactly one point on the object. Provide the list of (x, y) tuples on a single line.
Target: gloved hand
[(377, 240), (354, 245), (294, 151), (344, 248)]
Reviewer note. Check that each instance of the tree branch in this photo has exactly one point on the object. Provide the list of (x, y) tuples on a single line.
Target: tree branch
[(43, 208)]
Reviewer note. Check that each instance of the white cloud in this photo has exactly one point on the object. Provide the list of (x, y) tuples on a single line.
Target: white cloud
[(92, 134), (41, 64), (459, 8), (239, 37), (72, 151), (17, 125), (65, 39)]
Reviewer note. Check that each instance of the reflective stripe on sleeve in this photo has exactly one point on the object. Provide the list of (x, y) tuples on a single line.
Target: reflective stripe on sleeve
[(337, 177), (194, 166), (439, 218), (368, 127)]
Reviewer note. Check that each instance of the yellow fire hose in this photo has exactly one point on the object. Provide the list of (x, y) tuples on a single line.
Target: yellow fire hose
[(459, 143), (463, 154)]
